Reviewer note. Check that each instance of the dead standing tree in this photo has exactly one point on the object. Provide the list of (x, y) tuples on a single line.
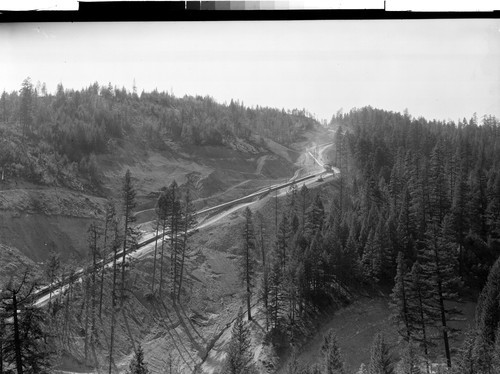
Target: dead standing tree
[(129, 232)]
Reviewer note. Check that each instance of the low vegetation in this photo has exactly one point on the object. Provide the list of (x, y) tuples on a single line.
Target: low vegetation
[(53, 139)]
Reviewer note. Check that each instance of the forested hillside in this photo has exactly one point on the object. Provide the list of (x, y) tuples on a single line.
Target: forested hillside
[(54, 138), (419, 202), (414, 213), (416, 210)]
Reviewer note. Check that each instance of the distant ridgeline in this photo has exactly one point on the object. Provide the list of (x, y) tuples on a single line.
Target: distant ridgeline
[(44, 134)]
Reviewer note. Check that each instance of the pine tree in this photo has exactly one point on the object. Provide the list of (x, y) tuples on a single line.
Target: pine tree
[(380, 358), (276, 212), (294, 223), (312, 266), (292, 197), (163, 211), (247, 262), (129, 232), (291, 290), (483, 355), (25, 341), (52, 270), (68, 273), (343, 175), (3, 105), (313, 369), (496, 353), (26, 106), (332, 355), (349, 271), (109, 223), (316, 216), (459, 217), (383, 243), (399, 299), (487, 316), (189, 223), (439, 201), (362, 369), (409, 362), (264, 293), (406, 227), (304, 203), (116, 246), (175, 218), (465, 363), (478, 203), (275, 302), (421, 314), (2, 336), (417, 191), (372, 258), (293, 366), (338, 145), (283, 241), (137, 364), (493, 209), (261, 237), (86, 308), (94, 235), (171, 365), (440, 274), (157, 225), (239, 357)]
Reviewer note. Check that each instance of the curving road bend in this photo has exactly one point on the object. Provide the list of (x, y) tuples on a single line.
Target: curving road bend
[(222, 210)]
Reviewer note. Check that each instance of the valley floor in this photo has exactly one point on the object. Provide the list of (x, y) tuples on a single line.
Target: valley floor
[(357, 324)]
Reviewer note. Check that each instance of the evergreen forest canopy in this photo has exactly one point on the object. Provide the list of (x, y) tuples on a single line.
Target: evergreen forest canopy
[(416, 208), (419, 203), (56, 136)]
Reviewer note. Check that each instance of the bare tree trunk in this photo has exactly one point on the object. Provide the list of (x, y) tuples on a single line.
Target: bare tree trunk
[(17, 337), (276, 212), (2, 329), (248, 284), (173, 246), (93, 287), (154, 259), (67, 308), (424, 329), (87, 319), (184, 248), (262, 246), (102, 285), (61, 289), (162, 258), (103, 265), (113, 307), (124, 258)]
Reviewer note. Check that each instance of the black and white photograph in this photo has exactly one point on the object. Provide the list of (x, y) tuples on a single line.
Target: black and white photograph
[(246, 196)]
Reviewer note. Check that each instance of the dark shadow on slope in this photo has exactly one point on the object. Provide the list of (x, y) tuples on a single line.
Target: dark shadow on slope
[(179, 338), (197, 346), (191, 324)]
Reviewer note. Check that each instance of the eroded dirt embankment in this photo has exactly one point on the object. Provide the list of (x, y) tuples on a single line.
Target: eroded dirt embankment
[(36, 221)]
